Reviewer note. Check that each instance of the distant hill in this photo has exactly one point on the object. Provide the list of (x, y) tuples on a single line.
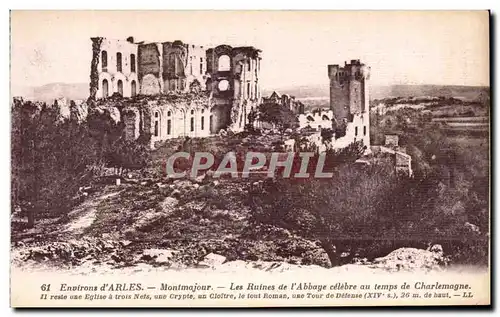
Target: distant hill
[(52, 91), (468, 93)]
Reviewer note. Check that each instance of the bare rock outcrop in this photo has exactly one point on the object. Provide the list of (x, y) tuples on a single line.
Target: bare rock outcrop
[(412, 259)]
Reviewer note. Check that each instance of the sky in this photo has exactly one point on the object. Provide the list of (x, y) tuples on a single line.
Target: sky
[(412, 47)]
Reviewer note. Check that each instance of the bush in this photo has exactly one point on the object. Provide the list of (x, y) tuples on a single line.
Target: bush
[(366, 212)]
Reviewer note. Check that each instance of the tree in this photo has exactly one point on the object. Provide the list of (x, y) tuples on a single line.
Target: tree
[(127, 155), (51, 158), (279, 116), (327, 135), (252, 116)]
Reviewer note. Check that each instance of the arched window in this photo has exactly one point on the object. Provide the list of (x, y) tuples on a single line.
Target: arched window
[(248, 90), (157, 124), (133, 88), (169, 113), (132, 63), (104, 61), (202, 122), (119, 61), (120, 87), (192, 124), (105, 88), (224, 63), (364, 130)]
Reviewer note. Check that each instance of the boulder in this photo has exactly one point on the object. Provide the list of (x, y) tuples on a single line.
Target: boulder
[(114, 114), (169, 204), (472, 227), (200, 179), (125, 243), (176, 193), (158, 255), (410, 259), (212, 260)]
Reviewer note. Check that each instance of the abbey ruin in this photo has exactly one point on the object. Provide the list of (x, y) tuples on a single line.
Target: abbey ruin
[(199, 90), (174, 89)]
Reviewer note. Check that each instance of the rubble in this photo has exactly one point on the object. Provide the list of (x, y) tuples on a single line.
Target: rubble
[(410, 259), (169, 204), (158, 255)]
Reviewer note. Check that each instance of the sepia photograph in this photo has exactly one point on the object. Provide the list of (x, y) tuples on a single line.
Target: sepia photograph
[(249, 158)]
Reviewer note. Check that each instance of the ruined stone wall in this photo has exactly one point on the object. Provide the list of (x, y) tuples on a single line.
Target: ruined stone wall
[(131, 118), (220, 116), (357, 129), (173, 120), (164, 117), (94, 67), (149, 69), (174, 66), (183, 65), (235, 80), (316, 120), (209, 54), (162, 68), (118, 78), (196, 66)]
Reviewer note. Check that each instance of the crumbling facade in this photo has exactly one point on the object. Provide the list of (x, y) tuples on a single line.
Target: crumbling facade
[(164, 117), (116, 67), (349, 101), (228, 76)]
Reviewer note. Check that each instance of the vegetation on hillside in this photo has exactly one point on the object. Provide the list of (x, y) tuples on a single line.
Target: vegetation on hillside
[(53, 157), (364, 211), (369, 211)]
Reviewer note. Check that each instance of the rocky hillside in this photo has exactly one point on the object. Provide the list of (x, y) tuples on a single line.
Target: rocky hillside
[(147, 224)]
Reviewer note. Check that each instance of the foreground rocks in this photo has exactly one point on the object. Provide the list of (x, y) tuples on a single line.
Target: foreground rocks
[(408, 259), (94, 254)]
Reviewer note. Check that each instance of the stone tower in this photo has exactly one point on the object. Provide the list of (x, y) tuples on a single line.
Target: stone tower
[(349, 101)]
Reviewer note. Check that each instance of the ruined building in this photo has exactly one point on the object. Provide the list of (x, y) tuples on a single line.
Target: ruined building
[(349, 101), (285, 100), (224, 81)]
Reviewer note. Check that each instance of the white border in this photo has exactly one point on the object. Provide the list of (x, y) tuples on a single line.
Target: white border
[(190, 4)]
